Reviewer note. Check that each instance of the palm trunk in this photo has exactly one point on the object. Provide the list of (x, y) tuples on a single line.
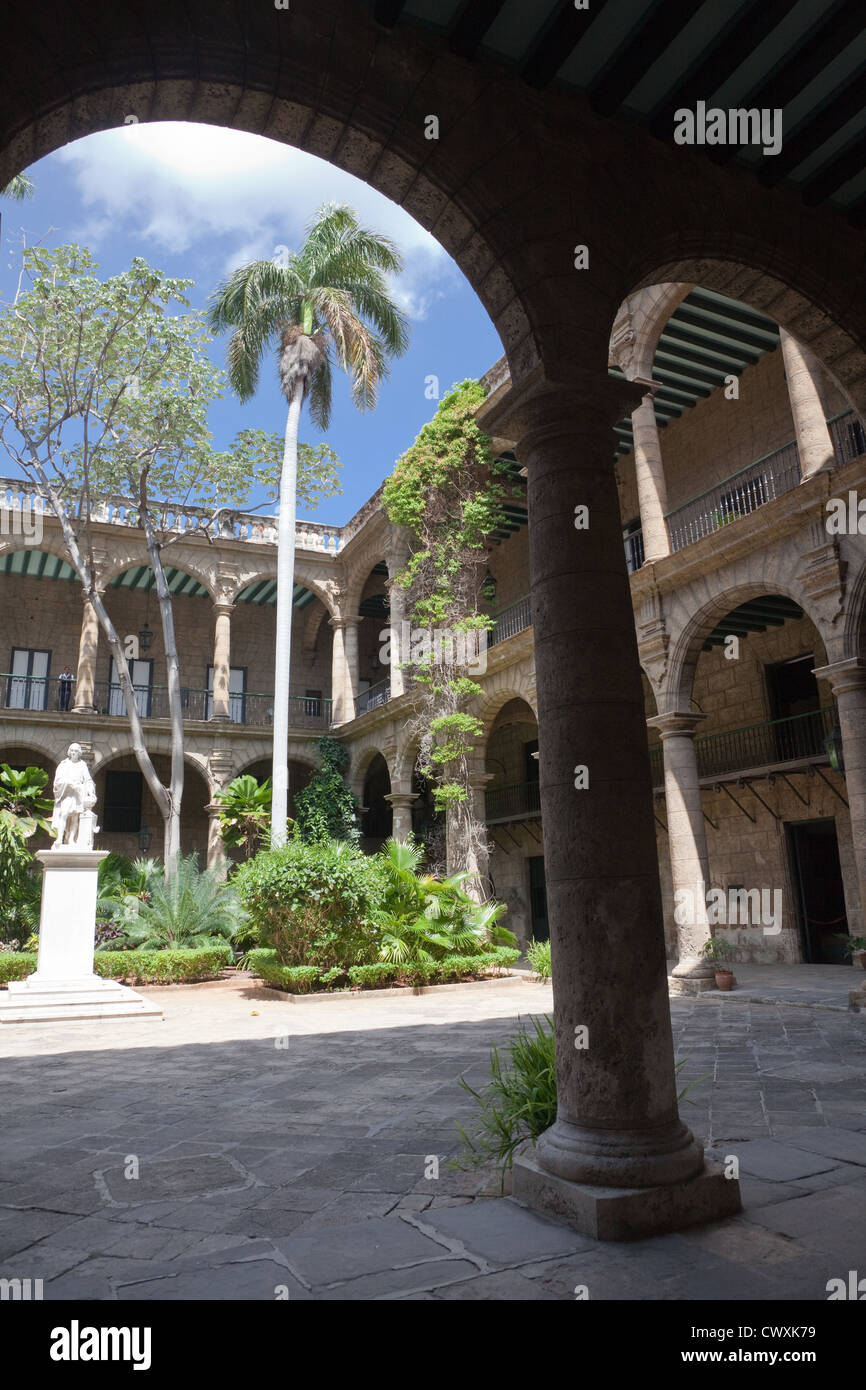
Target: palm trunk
[(285, 597), (171, 848)]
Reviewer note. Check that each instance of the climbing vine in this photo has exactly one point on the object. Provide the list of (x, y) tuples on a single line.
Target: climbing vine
[(448, 491)]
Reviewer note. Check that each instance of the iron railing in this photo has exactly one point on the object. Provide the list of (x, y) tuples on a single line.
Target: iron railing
[(377, 695), (510, 803), (769, 744), (245, 707), (517, 617), (761, 482)]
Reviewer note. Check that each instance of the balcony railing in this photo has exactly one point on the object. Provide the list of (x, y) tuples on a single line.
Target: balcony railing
[(247, 707), (517, 617), (772, 743), (378, 694), (763, 481), (512, 803), (228, 523)]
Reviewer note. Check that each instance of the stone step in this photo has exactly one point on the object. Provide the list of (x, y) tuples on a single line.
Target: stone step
[(37, 1012)]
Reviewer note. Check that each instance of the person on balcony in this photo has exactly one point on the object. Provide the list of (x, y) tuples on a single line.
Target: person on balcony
[(66, 680)]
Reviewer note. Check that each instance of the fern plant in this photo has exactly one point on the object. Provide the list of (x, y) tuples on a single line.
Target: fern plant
[(194, 908)]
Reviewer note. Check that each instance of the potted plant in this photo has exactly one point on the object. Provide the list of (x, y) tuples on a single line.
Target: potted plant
[(718, 950), (853, 946)]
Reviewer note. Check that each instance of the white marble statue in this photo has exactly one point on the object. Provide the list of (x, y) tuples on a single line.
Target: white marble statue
[(74, 799)]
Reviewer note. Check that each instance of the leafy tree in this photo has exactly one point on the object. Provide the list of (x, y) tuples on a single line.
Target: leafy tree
[(326, 305), (105, 389), (448, 491), (327, 808), (23, 812), (245, 813)]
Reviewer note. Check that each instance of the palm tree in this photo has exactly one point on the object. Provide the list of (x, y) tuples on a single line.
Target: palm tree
[(327, 303), (19, 187)]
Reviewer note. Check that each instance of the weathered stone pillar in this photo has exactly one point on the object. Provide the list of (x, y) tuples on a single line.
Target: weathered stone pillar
[(88, 646), (650, 478), (687, 844), (802, 370), (217, 858), (848, 680), (401, 805), (351, 668), (618, 1125), (339, 714), (222, 661)]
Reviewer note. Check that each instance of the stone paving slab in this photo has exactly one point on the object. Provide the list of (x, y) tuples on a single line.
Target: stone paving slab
[(305, 1167)]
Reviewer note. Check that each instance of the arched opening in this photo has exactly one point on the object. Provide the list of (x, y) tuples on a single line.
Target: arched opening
[(133, 607), (129, 819), (299, 776), (513, 815), (378, 817), (374, 610)]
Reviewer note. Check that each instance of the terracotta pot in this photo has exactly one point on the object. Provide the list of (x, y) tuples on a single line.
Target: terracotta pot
[(724, 979), (862, 958)]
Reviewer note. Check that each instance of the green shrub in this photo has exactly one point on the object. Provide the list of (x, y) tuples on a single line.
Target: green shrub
[(518, 1102), (305, 979), (313, 903), (424, 919), (16, 965), (295, 979), (538, 955), (162, 966)]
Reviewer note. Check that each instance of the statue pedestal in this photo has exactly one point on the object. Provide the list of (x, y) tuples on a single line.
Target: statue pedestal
[(64, 986)]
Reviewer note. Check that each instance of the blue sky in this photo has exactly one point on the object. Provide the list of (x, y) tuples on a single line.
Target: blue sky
[(198, 200)]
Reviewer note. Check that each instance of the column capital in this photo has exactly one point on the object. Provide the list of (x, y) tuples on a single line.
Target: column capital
[(540, 407), (400, 799), (676, 723), (345, 620), (223, 607), (843, 676), (480, 779)]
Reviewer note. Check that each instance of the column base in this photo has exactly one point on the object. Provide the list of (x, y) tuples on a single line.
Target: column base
[(36, 1000), (627, 1213), (691, 984), (82, 709)]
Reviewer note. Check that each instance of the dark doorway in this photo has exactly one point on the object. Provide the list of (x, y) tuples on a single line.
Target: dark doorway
[(538, 899), (820, 894), (794, 698), (377, 822)]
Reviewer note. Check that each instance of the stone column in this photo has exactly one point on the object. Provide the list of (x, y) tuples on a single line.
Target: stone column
[(650, 478), (217, 857), (351, 653), (687, 844), (848, 680), (339, 714), (222, 661), (813, 437), (618, 1125), (88, 646), (401, 805)]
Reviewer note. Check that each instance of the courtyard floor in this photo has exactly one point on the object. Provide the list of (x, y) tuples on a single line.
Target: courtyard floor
[(282, 1144)]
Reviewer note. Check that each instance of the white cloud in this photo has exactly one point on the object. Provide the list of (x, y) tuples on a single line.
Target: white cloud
[(231, 196)]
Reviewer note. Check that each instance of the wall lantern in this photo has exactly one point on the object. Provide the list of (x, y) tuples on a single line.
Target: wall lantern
[(834, 750), (488, 588), (145, 637), (145, 835)]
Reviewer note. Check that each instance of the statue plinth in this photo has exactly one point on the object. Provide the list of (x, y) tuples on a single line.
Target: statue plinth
[(64, 986)]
